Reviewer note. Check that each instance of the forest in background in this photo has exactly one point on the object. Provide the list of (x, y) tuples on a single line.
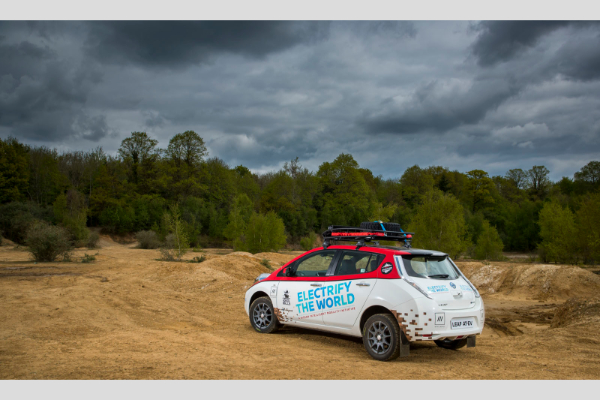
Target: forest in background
[(180, 195)]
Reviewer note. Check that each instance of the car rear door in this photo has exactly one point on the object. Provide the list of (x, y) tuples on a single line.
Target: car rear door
[(345, 297)]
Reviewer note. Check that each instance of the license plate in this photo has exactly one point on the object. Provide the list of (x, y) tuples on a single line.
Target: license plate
[(462, 323)]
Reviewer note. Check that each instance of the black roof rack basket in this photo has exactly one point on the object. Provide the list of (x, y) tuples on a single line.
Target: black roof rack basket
[(362, 235)]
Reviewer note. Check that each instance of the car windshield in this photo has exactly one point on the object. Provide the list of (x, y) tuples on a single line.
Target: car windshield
[(429, 267)]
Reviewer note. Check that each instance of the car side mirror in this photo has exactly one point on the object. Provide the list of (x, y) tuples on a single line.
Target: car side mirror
[(289, 271)]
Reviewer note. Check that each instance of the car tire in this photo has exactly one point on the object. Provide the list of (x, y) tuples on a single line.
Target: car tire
[(451, 344), (376, 226), (381, 337), (262, 316)]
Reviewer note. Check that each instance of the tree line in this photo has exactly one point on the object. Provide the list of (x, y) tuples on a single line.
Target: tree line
[(143, 187)]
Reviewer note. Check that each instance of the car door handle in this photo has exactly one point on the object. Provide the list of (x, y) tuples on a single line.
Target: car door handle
[(316, 284), (363, 284)]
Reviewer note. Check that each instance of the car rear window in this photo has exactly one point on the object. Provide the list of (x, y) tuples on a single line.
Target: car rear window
[(429, 267), (358, 262)]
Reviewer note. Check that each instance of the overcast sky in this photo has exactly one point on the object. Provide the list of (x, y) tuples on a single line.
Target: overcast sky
[(465, 95)]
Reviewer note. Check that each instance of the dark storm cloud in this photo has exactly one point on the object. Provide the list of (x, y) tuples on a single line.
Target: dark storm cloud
[(579, 58), (180, 43), (438, 108), (500, 41), (494, 95), (41, 95)]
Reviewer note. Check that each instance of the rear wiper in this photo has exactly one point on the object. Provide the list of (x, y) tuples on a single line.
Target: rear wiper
[(438, 276)]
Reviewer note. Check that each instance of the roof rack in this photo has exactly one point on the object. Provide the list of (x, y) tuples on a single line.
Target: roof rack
[(362, 236)]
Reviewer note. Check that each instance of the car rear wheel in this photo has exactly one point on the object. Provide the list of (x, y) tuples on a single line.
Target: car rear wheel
[(452, 344), (381, 337), (262, 316)]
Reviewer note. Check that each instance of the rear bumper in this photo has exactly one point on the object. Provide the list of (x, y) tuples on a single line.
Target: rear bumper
[(421, 320)]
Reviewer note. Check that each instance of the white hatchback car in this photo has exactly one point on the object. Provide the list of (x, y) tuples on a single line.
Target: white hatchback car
[(389, 296)]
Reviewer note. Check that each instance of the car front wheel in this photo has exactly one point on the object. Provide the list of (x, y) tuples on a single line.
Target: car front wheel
[(262, 315), (381, 337)]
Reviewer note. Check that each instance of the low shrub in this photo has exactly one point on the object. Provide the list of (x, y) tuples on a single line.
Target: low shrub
[(197, 260), (92, 240), (172, 249), (166, 254), (169, 251), (47, 242), (266, 263), (16, 218), (147, 240), (88, 258)]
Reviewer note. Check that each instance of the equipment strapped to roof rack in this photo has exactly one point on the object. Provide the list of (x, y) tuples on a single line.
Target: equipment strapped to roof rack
[(363, 235)]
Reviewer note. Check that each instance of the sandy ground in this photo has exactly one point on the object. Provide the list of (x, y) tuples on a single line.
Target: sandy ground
[(128, 316)]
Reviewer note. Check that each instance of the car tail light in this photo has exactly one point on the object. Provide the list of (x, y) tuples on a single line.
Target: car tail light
[(465, 278)]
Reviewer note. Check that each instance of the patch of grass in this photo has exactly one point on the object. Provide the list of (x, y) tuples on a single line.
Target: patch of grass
[(88, 258), (198, 260), (198, 249), (266, 263)]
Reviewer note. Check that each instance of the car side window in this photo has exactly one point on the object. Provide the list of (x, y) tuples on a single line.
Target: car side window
[(358, 262), (315, 264)]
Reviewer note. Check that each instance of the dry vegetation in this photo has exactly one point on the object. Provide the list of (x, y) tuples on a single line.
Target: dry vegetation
[(128, 316)]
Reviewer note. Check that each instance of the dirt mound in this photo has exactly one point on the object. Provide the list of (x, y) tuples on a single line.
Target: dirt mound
[(129, 315), (577, 311), (107, 241), (238, 265), (6, 242), (535, 281), (277, 259)]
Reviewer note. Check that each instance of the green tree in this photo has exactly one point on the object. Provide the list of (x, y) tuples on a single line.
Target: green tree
[(489, 245), (381, 213), (588, 228), (439, 224), (177, 241), (188, 149), (239, 216), (45, 179), (71, 211), (539, 181), (14, 170), (589, 175), (557, 230), (519, 178), (246, 182), (185, 153), (480, 190), (264, 232), (522, 229), (416, 183), (138, 151), (344, 196)]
